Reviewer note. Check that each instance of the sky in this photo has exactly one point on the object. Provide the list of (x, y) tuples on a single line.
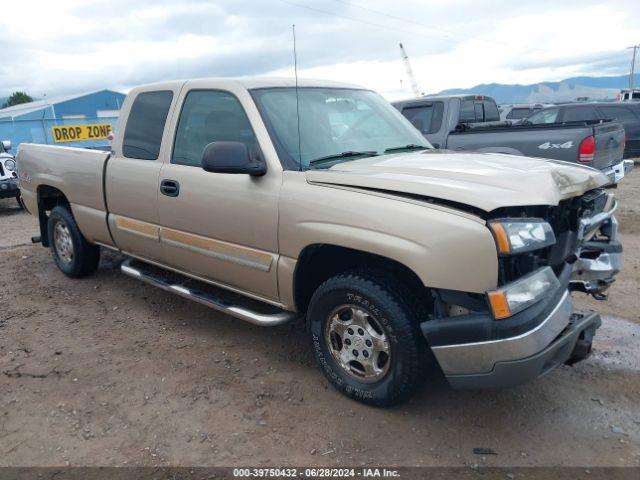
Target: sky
[(69, 46)]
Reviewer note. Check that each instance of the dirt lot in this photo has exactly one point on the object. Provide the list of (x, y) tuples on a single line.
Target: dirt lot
[(107, 371)]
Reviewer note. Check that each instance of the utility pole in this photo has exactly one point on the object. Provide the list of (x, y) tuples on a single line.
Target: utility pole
[(633, 68), (412, 78)]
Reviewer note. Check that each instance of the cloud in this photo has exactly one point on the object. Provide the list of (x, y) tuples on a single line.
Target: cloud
[(72, 45)]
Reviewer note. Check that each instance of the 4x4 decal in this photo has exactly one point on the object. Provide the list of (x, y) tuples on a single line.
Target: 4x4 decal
[(548, 145)]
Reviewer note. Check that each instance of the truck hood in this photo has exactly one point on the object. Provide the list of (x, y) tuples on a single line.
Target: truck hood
[(483, 180)]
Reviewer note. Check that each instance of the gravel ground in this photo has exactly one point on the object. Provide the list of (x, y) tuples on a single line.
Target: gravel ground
[(108, 371)]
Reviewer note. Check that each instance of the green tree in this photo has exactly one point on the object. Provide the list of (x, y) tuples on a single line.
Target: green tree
[(16, 98)]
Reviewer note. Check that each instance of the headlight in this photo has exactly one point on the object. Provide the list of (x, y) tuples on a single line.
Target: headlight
[(10, 165), (522, 293), (521, 235)]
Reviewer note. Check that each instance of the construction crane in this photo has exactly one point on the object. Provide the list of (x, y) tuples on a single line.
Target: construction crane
[(407, 66)]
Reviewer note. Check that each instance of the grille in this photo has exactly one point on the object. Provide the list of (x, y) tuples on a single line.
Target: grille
[(1, 170)]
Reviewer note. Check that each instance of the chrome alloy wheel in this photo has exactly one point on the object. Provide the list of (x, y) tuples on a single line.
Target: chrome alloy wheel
[(63, 243), (358, 343)]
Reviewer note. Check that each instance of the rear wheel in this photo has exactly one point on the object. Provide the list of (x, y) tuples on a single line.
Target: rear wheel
[(73, 255), (366, 338)]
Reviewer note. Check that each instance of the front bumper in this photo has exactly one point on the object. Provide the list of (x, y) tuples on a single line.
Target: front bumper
[(475, 351), (9, 188), (571, 345)]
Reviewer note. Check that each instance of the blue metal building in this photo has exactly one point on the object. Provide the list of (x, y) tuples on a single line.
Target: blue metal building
[(73, 120)]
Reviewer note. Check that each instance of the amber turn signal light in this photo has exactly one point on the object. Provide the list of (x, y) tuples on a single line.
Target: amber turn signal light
[(499, 306), (500, 234)]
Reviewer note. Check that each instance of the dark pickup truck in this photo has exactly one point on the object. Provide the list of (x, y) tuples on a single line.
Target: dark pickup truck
[(627, 113), (472, 122)]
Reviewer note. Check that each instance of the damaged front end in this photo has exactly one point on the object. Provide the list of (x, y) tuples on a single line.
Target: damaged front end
[(599, 252), (586, 237), (528, 325)]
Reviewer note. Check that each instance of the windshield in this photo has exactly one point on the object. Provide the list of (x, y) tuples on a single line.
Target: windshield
[(336, 125)]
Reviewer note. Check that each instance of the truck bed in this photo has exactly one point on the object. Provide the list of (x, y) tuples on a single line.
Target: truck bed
[(77, 172), (558, 141)]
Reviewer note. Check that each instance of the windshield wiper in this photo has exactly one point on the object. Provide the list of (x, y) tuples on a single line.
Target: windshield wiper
[(411, 146), (337, 156)]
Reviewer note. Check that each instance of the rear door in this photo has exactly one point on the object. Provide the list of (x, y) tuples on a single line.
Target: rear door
[(133, 171)]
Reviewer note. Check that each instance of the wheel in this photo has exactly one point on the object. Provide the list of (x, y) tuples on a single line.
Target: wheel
[(72, 253), (366, 338)]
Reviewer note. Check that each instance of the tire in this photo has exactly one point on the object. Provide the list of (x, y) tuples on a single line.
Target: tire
[(19, 200), (348, 298), (73, 255)]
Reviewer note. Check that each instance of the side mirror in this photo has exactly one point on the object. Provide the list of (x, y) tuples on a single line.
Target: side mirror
[(6, 145), (231, 157)]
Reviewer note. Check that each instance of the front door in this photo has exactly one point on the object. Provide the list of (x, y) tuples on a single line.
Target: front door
[(219, 226)]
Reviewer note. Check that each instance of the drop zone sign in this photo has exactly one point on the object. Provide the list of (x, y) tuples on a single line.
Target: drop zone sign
[(76, 133)]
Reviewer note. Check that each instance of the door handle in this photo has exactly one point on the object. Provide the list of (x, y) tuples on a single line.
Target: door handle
[(170, 188)]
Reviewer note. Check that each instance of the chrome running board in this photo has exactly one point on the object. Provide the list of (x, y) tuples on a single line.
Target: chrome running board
[(142, 271)]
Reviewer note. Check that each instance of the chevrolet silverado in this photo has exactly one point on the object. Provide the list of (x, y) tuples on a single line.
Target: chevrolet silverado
[(271, 201)]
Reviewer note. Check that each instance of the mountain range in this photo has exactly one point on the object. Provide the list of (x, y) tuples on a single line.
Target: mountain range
[(595, 88)]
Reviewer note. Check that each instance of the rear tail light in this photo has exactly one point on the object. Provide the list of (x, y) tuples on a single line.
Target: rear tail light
[(587, 150)]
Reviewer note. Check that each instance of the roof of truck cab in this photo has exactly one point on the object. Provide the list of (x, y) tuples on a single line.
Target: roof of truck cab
[(251, 83), (595, 104), (434, 98)]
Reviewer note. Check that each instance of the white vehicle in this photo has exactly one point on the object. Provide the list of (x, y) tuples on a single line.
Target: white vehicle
[(8, 175), (625, 95)]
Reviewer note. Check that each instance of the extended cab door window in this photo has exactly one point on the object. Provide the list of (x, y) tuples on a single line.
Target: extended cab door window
[(467, 112), (426, 118), (209, 116), (478, 111), (145, 125), (491, 113)]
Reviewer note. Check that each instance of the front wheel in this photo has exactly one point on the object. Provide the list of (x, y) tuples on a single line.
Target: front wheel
[(73, 255), (366, 338)]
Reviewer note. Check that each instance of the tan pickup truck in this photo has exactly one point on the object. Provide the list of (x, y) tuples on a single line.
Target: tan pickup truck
[(270, 202)]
